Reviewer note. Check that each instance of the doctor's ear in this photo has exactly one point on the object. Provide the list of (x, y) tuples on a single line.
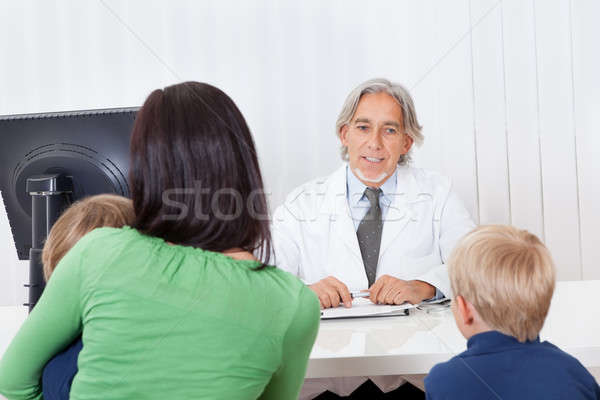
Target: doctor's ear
[(344, 135), (408, 142)]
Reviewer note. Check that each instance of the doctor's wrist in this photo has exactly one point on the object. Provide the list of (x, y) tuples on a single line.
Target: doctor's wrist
[(425, 290)]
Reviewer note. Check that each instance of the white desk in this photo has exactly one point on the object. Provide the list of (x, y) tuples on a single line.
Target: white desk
[(413, 344)]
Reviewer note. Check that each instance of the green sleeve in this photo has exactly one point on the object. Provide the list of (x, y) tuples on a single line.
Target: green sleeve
[(52, 325), (297, 345)]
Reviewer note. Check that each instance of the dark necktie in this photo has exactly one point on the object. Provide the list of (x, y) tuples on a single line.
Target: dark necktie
[(369, 234)]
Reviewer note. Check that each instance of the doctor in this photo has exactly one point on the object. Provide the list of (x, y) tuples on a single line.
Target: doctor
[(375, 223)]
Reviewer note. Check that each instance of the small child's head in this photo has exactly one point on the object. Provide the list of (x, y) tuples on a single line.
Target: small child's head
[(83, 217), (502, 279)]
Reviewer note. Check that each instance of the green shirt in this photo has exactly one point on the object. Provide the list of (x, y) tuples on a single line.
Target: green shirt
[(162, 321)]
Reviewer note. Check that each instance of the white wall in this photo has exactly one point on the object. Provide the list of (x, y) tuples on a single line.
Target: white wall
[(507, 91)]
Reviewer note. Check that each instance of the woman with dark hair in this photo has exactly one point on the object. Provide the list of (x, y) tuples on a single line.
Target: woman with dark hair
[(176, 306)]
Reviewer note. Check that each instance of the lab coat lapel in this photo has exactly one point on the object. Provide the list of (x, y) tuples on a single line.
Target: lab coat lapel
[(399, 213), (343, 228), (336, 207)]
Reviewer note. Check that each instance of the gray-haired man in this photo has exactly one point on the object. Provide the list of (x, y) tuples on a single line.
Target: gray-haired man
[(376, 224)]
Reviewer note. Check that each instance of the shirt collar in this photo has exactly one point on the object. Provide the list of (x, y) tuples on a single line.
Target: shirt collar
[(356, 188), (494, 341)]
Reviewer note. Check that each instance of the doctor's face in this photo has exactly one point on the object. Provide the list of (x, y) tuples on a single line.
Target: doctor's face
[(375, 138)]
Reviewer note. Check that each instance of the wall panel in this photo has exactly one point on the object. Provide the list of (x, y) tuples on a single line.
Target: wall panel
[(522, 115), (454, 100), (586, 64), (490, 112), (557, 139)]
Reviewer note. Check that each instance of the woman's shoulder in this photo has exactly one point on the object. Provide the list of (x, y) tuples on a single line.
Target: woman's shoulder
[(292, 287), (281, 285), (283, 277), (300, 302)]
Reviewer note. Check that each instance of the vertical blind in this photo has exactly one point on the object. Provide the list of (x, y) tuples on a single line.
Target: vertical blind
[(507, 91)]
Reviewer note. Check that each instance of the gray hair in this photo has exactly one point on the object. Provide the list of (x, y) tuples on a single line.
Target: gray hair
[(398, 92)]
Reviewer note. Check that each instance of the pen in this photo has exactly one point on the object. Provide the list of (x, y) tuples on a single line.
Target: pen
[(359, 294)]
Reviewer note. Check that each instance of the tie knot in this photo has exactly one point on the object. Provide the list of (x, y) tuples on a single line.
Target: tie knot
[(373, 195)]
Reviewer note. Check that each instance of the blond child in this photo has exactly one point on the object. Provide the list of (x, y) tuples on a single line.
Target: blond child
[(503, 280), (104, 210)]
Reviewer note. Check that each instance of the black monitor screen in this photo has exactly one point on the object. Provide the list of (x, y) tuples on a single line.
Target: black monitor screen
[(91, 147)]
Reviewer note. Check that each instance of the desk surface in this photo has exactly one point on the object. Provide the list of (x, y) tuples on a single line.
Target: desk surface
[(413, 344)]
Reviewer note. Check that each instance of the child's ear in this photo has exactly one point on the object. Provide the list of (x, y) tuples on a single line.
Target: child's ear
[(464, 310)]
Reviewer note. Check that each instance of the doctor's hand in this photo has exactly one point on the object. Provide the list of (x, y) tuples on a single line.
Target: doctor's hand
[(390, 290), (331, 292)]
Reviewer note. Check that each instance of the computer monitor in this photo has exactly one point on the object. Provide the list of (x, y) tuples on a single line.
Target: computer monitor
[(50, 160)]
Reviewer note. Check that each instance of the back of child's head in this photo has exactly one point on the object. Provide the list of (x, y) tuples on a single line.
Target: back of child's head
[(80, 218), (508, 275)]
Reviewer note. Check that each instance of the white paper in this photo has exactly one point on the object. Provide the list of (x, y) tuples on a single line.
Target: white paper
[(363, 307)]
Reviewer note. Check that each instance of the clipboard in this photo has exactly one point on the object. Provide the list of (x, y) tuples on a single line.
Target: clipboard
[(363, 308)]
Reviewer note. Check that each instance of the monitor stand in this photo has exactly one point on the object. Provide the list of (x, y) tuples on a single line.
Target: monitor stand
[(50, 195)]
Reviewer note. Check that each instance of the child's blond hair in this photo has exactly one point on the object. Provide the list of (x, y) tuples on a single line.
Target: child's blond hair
[(508, 275), (80, 218)]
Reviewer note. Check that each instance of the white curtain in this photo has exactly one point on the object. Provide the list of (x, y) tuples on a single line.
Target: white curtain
[(506, 91)]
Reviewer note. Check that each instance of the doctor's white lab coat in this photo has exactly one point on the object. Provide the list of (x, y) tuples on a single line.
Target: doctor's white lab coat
[(314, 235)]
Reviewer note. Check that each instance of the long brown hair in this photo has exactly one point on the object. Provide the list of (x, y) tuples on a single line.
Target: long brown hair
[(194, 173)]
